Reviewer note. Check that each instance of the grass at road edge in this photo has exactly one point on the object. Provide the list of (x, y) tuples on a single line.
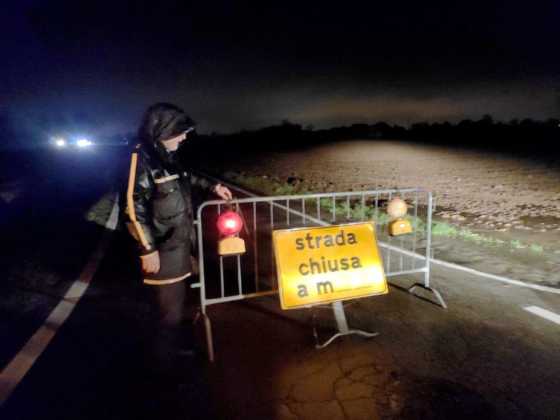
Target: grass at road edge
[(273, 186)]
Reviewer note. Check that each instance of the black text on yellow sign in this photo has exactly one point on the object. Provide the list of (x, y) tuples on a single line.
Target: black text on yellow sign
[(328, 264)]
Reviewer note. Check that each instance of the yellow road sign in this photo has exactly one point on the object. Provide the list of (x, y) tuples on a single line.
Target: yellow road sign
[(328, 264)]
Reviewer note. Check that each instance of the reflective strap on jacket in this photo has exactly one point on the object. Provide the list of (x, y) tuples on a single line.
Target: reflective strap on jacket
[(130, 202), (166, 179), (166, 281)]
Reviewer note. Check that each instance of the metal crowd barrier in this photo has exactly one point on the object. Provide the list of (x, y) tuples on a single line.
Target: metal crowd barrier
[(253, 274)]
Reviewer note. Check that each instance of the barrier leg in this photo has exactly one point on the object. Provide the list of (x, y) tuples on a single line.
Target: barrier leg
[(342, 325), (426, 286), (209, 338)]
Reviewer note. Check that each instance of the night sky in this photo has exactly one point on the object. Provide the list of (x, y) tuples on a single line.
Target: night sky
[(237, 65)]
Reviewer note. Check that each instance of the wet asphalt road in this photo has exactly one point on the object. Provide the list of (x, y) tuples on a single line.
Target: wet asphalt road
[(47, 239), (484, 357)]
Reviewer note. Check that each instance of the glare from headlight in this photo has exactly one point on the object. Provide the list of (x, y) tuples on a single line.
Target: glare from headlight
[(60, 142), (83, 143)]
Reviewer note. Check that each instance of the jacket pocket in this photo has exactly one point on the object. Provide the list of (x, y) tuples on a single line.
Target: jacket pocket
[(168, 202)]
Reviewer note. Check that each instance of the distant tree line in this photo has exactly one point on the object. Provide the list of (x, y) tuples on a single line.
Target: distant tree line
[(525, 135), (517, 135)]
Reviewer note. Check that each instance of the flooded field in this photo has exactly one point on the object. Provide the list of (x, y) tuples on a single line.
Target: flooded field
[(515, 200)]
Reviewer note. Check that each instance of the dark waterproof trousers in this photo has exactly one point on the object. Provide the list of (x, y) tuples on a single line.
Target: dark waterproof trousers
[(173, 335)]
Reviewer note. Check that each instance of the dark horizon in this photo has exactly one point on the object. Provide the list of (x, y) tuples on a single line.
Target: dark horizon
[(249, 66), (485, 132)]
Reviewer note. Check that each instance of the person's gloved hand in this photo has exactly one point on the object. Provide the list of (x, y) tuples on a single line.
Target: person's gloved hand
[(150, 263), (223, 192)]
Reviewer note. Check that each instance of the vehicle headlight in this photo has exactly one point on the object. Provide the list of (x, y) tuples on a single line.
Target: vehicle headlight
[(83, 143), (60, 142)]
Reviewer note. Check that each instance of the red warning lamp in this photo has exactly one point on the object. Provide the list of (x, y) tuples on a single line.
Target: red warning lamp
[(229, 225)]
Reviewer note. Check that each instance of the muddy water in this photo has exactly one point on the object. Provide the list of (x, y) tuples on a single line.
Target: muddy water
[(497, 195)]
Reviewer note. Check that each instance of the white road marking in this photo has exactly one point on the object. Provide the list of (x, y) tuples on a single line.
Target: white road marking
[(550, 316), (433, 261), (497, 278), (14, 372)]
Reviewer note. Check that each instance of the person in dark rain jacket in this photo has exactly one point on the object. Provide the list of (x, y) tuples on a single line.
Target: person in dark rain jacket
[(160, 214)]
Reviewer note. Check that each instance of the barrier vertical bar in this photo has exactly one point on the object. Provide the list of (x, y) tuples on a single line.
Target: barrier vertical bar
[(401, 262), (274, 280), (376, 207), (239, 282), (255, 247), (222, 287), (222, 283), (389, 240), (202, 278), (415, 227), (428, 241)]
